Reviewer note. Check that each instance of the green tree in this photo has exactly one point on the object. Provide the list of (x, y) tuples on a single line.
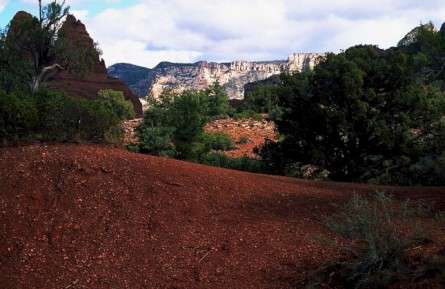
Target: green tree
[(117, 103), (176, 120), (218, 100), (362, 115), (188, 117), (261, 96), (33, 49)]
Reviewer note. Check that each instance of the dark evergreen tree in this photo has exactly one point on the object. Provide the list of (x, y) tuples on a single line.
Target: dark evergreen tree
[(364, 114)]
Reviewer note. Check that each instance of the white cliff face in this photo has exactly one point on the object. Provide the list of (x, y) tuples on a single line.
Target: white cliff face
[(232, 76)]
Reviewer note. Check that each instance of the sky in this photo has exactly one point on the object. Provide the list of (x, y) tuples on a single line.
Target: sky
[(146, 32)]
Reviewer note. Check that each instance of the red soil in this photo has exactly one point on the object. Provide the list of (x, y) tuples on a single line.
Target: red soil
[(95, 217), (247, 134)]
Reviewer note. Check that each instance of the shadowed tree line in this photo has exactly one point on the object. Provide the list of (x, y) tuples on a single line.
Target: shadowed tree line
[(366, 114)]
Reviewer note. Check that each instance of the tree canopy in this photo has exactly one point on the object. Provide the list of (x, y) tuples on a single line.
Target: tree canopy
[(368, 114)]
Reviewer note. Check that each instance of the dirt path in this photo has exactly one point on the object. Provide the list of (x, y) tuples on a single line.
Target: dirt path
[(94, 217)]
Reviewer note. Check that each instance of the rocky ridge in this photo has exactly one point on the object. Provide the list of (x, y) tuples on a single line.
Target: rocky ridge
[(232, 76)]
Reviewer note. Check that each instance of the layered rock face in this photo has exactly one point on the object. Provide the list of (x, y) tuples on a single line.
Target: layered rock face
[(90, 83), (232, 76)]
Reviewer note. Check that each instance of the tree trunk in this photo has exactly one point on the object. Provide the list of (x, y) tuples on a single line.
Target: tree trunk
[(44, 75)]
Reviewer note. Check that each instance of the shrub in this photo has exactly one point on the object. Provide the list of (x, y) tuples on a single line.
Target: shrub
[(363, 115), (115, 102), (176, 122), (248, 114), (18, 116), (157, 141), (217, 141), (52, 116), (217, 101), (382, 231), (242, 164), (188, 117), (261, 96), (76, 119)]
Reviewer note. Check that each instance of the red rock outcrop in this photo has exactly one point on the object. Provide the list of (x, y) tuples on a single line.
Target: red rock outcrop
[(90, 83)]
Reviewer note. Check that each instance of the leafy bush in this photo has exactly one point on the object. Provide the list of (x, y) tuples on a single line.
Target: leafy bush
[(217, 141), (75, 119), (188, 117), (18, 116), (261, 96), (52, 116), (157, 141), (217, 101), (382, 231), (248, 114), (116, 102), (242, 164), (174, 124), (362, 115)]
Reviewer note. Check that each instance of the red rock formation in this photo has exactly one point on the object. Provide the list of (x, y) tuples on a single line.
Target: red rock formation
[(19, 18), (90, 83)]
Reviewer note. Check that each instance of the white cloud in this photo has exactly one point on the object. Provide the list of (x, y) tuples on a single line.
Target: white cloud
[(80, 14), (191, 30), (3, 4)]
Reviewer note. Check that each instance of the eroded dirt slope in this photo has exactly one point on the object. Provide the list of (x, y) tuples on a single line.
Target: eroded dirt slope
[(95, 217)]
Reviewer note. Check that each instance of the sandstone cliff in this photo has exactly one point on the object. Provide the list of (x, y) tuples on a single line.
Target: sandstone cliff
[(232, 76)]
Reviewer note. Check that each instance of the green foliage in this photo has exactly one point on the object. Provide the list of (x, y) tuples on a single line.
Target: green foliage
[(217, 141), (18, 116), (116, 102), (217, 159), (33, 49), (247, 114), (157, 140), (382, 231), (188, 117), (362, 115), (261, 96), (174, 124), (75, 119), (52, 116), (217, 101)]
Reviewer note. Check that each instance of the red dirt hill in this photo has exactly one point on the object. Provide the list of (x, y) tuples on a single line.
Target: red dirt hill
[(95, 217)]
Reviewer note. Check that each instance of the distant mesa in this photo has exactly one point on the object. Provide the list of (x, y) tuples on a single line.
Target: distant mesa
[(233, 76), (137, 78)]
